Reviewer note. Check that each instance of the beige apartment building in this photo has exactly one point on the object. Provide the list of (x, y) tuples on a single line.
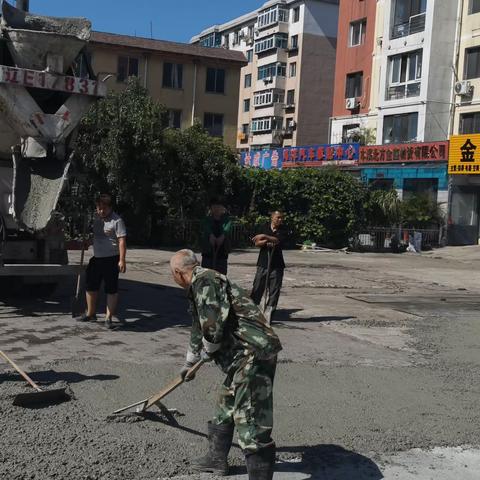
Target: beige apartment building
[(193, 82), (286, 88)]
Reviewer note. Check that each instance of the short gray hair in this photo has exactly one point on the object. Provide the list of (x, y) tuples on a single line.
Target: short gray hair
[(184, 260)]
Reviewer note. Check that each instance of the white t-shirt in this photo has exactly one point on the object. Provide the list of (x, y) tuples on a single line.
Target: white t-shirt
[(106, 232)]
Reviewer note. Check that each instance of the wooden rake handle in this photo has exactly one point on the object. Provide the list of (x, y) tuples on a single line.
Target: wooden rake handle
[(150, 401), (20, 371)]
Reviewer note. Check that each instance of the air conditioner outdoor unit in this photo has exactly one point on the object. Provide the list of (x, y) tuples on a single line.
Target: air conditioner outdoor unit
[(351, 103), (268, 80), (463, 88), (250, 41), (291, 124)]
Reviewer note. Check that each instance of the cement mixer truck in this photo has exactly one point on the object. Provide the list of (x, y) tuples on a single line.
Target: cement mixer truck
[(46, 86)]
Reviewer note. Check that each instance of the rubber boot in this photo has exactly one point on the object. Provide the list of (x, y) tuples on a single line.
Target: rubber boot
[(219, 442), (261, 464)]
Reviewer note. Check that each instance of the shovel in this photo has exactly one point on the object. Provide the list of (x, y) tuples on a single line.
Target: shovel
[(144, 405), (40, 396), (77, 305)]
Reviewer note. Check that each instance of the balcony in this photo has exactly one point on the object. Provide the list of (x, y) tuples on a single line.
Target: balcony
[(399, 92), (416, 24)]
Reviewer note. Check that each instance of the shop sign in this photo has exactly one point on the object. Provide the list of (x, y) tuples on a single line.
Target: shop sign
[(343, 155), (464, 157), (405, 153)]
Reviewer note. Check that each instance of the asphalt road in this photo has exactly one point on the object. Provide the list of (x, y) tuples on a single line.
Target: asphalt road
[(378, 377)]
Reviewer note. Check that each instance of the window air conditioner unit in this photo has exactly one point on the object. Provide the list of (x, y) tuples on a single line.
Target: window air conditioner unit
[(351, 103), (463, 88)]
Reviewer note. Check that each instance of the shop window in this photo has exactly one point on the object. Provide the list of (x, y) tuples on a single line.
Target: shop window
[(400, 128), (383, 184), (414, 187), (470, 123)]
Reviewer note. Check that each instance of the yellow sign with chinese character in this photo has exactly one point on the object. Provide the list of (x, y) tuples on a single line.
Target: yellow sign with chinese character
[(464, 157)]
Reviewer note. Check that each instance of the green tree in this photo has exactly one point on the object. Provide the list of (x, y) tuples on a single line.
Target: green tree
[(120, 150)]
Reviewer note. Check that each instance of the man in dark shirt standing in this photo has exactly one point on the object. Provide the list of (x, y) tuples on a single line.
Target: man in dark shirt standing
[(270, 264), (216, 229)]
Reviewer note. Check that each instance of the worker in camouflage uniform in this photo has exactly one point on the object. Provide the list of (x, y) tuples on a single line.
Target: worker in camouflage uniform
[(231, 330)]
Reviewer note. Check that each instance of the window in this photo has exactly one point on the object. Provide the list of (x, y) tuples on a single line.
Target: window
[(405, 73), (249, 56), (248, 80), (350, 133), (127, 67), (212, 40), (400, 128), (266, 124), (474, 7), (472, 63), (246, 128), (246, 105), (294, 42), (215, 80), (354, 85), (272, 70), (293, 69), (409, 17), (470, 123), (213, 123), (420, 186), (268, 97), (383, 184), (174, 118), (272, 15), (290, 97), (357, 32), (172, 75), (236, 37), (274, 41), (296, 15)]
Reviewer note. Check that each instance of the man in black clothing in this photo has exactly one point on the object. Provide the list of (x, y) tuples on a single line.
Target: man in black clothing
[(270, 264)]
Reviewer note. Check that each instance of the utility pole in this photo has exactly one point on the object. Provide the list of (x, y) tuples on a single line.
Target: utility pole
[(23, 5)]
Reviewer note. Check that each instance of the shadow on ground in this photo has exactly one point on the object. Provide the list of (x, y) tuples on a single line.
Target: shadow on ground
[(51, 376), (147, 307)]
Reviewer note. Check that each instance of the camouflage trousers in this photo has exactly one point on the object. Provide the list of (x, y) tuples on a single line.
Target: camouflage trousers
[(246, 398)]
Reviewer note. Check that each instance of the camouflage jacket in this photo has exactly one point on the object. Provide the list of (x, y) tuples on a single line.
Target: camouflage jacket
[(224, 314)]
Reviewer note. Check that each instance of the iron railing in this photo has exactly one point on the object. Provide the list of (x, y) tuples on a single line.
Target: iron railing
[(415, 24)]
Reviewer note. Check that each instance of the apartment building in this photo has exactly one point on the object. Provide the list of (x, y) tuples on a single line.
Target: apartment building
[(286, 89), (193, 82), (353, 71), (464, 214)]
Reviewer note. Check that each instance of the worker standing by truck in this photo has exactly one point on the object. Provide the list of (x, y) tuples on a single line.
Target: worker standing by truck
[(109, 259)]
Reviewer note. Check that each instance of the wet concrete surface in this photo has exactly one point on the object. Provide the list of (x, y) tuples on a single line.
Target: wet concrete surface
[(384, 388)]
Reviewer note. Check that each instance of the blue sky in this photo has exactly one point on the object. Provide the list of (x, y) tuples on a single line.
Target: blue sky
[(176, 20)]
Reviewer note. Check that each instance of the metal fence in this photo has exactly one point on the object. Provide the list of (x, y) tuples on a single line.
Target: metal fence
[(380, 239)]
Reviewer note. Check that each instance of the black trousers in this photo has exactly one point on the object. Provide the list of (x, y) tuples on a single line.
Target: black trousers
[(221, 265), (274, 286)]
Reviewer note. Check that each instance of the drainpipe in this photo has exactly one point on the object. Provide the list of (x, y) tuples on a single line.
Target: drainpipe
[(23, 5), (454, 106), (146, 71), (194, 93)]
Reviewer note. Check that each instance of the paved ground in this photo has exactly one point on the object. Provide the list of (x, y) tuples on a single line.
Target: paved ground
[(378, 377)]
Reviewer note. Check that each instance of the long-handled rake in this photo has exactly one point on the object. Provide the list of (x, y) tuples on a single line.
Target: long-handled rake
[(40, 396), (143, 405)]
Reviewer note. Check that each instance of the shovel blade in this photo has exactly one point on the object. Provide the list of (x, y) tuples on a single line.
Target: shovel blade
[(46, 397)]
